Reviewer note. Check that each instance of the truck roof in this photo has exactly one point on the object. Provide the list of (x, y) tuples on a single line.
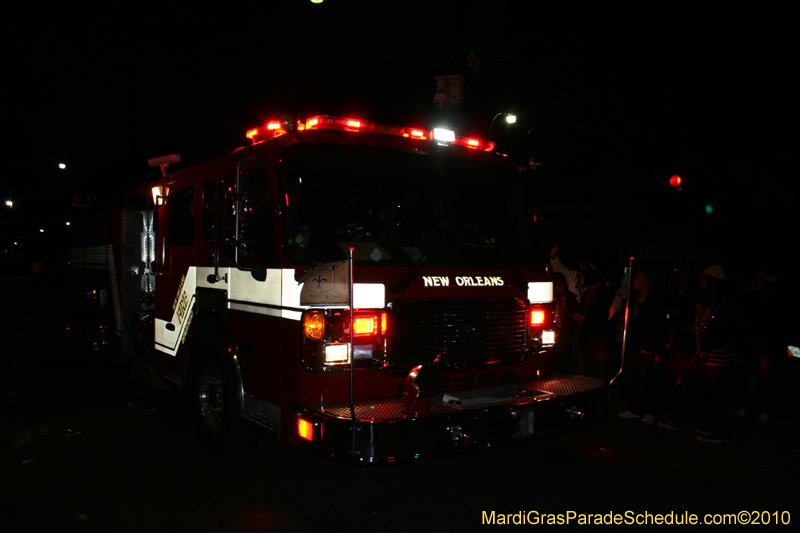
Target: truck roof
[(273, 136)]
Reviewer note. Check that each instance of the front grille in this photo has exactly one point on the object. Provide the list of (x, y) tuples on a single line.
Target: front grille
[(465, 334)]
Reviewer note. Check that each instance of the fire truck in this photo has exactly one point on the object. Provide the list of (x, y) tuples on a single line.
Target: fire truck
[(364, 290)]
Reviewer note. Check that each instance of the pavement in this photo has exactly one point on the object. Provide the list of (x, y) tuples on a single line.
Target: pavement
[(84, 448)]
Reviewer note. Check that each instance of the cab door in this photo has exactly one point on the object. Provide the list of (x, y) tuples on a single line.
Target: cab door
[(255, 318), (176, 236)]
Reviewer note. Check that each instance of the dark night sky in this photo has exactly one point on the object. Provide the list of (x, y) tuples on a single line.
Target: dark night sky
[(609, 100)]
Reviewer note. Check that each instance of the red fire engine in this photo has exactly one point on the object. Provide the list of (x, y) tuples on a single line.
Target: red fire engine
[(368, 291)]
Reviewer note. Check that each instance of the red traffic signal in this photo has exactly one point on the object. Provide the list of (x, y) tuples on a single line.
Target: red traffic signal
[(675, 181)]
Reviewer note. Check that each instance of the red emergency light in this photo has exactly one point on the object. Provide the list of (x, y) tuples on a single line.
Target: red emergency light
[(268, 131), (369, 324), (329, 122), (476, 144)]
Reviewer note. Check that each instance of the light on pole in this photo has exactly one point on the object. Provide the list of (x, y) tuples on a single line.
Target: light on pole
[(510, 119)]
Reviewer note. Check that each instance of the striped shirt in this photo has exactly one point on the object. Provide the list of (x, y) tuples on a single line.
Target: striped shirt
[(722, 357)]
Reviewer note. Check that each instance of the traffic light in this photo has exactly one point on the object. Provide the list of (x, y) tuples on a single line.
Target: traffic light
[(675, 181)]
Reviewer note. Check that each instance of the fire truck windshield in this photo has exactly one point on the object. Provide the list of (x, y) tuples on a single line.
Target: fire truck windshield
[(402, 207)]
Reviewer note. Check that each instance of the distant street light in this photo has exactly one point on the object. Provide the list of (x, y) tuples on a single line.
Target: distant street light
[(510, 118), (9, 203), (62, 166)]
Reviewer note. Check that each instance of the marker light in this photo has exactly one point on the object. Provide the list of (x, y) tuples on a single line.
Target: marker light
[(540, 292), (537, 317), (158, 195), (314, 325), (443, 135), (365, 326), (305, 429)]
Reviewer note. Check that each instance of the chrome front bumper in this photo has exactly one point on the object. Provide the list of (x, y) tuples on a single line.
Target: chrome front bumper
[(457, 421)]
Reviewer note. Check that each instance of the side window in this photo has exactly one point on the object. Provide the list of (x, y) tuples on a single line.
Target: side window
[(211, 217), (180, 223), (257, 226)]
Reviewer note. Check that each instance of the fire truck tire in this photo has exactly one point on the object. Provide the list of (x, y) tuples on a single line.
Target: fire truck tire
[(213, 401)]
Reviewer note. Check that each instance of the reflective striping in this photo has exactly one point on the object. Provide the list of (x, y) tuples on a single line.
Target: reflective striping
[(290, 295), (292, 315), (243, 288), (167, 340), (278, 296), (204, 272), (258, 309)]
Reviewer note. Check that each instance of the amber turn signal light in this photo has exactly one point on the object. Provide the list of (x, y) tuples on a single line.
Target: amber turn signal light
[(314, 325)]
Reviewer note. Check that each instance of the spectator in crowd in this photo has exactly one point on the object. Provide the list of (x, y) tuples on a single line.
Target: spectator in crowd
[(682, 297), (751, 313), (565, 307), (677, 366), (717, 322), (575, 278), (778, 321), (646, 339), (595, 331)]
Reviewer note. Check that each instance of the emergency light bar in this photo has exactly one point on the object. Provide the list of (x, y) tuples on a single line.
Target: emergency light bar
[(269, 130), (327, 122)]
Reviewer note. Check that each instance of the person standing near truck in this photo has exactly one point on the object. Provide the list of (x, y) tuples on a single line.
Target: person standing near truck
[(717, 336), (646, 338), (595, 331), (575, 278)]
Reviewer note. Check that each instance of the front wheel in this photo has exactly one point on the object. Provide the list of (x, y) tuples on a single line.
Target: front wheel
[(211, 398), (214, 402)]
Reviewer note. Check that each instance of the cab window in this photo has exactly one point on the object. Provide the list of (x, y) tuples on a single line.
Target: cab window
[(180, 223)]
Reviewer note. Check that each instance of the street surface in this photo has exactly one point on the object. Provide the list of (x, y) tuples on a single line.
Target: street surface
[(81, 448)]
